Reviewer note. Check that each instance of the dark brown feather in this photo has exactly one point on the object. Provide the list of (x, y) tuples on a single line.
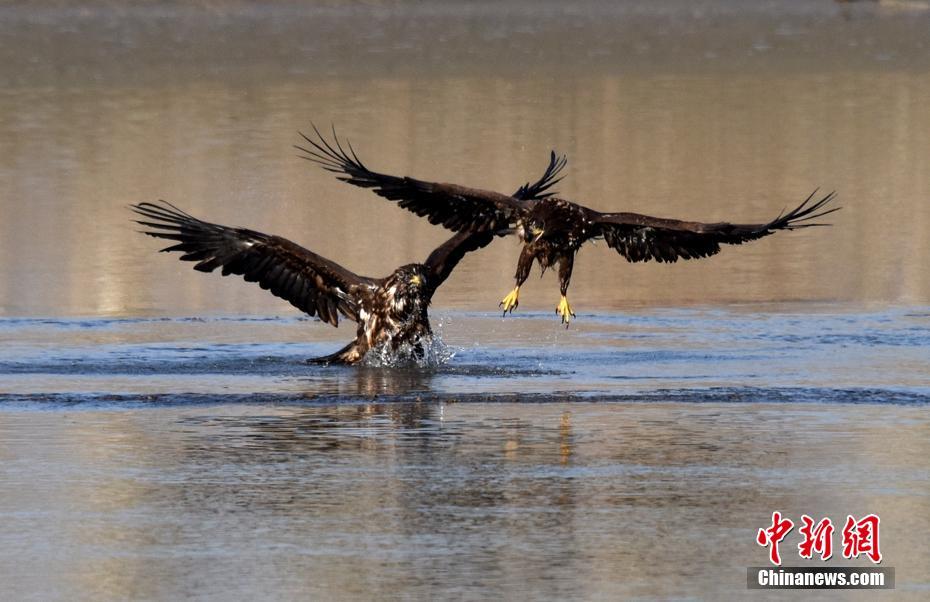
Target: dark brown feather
[(308, 281), (455, 207), (642, 237)]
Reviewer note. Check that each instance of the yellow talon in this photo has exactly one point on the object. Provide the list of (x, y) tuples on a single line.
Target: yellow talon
[(565, 310), (511, 301)]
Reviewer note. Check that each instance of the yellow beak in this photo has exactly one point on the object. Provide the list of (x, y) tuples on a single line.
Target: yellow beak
[(415, 279)]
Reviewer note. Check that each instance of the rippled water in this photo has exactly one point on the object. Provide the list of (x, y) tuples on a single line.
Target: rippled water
[(161, 436), (633, 455), (565, 501), (709, 354)]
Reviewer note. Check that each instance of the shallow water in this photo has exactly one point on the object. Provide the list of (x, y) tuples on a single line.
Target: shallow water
[(632, 455), (571, 501), (161, 436), (711, 354)]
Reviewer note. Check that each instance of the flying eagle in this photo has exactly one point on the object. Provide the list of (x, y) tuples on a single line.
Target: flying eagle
[(390, 311), (553, 229)]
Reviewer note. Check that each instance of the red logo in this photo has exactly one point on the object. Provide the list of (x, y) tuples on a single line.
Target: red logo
[(773, 535), (861, 537), (816, 539)]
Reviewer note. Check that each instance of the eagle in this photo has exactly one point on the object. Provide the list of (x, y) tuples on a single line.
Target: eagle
[(552, 229), (391, 312)]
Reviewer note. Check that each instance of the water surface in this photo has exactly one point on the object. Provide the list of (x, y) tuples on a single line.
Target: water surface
[(632, 455)]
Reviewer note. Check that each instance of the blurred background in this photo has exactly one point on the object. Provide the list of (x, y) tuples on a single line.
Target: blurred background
[(707, 110)]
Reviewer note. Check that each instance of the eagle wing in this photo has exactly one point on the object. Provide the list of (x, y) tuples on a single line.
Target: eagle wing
[(443, 260), (455, 207), (309, 282), (641, 237)]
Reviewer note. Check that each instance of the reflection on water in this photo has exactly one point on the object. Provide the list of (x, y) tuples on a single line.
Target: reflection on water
[(575, 501), (633, 456)]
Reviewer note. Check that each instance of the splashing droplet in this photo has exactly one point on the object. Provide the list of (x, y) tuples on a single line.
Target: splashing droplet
[(432, 354)]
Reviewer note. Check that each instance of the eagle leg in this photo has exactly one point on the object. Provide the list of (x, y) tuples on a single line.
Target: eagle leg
[(566, 263), (565, 310), (524, 264), (511, 301)]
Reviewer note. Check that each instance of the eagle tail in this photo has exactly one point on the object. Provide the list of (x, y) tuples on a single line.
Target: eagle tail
[(541, 188), (350, 354)]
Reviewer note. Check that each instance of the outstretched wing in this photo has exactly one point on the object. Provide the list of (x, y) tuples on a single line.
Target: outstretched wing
[(443, 260), (641, 237), (309, 282), (458, 208)]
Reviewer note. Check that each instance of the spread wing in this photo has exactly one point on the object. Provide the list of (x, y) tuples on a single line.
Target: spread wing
[(309, 282), (443, 260), (458, 208), (641, 237)]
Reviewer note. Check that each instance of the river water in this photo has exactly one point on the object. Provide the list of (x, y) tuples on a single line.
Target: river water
[(161, 436)]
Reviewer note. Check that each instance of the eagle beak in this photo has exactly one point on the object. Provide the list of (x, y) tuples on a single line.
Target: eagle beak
[(537, 233), (416, 280)]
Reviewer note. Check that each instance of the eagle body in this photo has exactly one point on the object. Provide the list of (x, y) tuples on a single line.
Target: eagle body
[(392, 315), (552, 231), (562, 223), (391, 312)]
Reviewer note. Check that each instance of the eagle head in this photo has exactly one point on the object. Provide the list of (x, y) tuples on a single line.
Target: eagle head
[(533, 230), (406, 287)]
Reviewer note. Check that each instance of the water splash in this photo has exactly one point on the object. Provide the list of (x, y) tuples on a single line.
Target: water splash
[(433, 353)]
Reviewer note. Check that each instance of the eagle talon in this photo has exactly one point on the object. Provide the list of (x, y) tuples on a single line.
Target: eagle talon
[(565, 311), (511, 301)]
